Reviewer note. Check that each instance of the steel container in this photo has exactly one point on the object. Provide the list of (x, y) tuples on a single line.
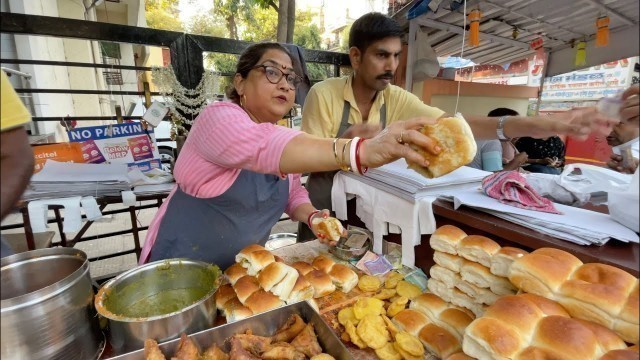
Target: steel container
[(47, 307), (158, 301), (263, 324)]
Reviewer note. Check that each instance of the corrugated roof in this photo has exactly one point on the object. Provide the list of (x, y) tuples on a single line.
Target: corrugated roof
[(559, 22)]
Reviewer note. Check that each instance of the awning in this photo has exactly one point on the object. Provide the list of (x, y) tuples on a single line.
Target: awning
[(507, 27)]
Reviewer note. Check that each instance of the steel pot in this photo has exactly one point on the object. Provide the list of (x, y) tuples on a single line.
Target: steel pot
[(47, 306), (158, 301)]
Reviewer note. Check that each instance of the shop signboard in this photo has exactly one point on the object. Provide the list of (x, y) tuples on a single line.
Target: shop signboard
[(127, 143)]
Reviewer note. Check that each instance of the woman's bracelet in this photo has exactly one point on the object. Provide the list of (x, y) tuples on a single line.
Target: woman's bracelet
[(310, 216), (344, 166), (361, 169), (335, 152)]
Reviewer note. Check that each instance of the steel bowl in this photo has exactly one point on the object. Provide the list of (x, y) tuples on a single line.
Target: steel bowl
[(159, 300), (47, 307), (343, 252)]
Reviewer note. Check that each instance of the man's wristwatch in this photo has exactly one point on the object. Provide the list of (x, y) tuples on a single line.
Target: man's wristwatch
[(500, 129)]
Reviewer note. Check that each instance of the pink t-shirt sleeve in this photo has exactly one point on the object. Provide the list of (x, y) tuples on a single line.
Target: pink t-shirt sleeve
[(225, 135), (298, 194)]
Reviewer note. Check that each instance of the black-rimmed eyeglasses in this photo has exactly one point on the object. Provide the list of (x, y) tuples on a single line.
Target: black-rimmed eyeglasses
[(274, 75)]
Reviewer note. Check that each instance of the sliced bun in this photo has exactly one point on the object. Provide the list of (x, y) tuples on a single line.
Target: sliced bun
[(255, 261), (323, 263), (235, 272), (261, 301), (234, 310), (321, 282), (330, 227), (302, 290), (245, 286), (272, 274), (302, 267), (284, 287), (343, 277), (458, 145), (224, 294)]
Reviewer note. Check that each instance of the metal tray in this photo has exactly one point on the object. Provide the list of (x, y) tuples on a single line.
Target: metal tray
[(265, 324)]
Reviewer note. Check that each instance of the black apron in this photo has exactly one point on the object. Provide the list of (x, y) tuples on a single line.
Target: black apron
[(319, 184), (215, 229)]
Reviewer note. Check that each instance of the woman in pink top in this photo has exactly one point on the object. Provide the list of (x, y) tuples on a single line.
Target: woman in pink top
[(238, 172)]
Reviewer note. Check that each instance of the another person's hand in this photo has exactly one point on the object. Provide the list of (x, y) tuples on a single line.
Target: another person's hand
[(365, 131), (390, 144), (518, 160), (578, 123), (630, 109), (553, 162), (325, 214), (616, 163)]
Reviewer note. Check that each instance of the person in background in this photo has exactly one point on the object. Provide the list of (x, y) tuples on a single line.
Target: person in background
[(545, 155), (498, 155), (16, 156), (625, 134), (363, 103), (238, 172)]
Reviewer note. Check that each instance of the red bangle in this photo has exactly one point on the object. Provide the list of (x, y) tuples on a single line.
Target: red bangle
[(309, 218), (361, 170)]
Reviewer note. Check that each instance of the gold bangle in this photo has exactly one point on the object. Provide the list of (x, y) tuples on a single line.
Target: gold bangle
[(345, 166), (335, 152)]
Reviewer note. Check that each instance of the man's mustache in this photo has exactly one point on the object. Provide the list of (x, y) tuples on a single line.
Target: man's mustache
[(387, 75)]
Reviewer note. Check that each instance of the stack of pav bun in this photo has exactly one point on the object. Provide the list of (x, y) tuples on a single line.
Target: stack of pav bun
[(260, 281), (471, 270), (564, 309)]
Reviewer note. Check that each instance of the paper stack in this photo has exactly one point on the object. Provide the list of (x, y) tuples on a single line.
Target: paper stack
[(61, 180), (576, 225), (401, 181)]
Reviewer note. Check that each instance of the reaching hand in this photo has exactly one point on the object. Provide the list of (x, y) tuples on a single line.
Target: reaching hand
[(391, 143), (314, 227), (364, 131), (630, 109), (579, 123), (616, 163)]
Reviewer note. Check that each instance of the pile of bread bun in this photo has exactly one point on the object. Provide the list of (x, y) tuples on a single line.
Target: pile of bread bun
[(260, 281), (439, 326), (596, 292), (471, 270), (528, 326)]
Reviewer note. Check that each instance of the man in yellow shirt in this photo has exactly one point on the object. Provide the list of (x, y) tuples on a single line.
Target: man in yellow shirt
[(363, 103), (16, 156)]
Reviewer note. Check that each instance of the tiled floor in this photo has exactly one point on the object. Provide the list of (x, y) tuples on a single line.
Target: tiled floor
[(104, 246)]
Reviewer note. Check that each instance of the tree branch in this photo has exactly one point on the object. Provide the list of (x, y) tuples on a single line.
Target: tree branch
[(272, 4)]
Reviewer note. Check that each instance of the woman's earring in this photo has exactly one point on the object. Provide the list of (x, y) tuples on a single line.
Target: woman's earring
[(243, 100)]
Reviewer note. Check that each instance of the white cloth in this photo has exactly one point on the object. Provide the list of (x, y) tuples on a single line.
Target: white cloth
[(378, 208), (38, 210)]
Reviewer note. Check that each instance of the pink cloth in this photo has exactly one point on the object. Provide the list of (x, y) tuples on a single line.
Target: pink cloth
[(222, 142), (511, 188)]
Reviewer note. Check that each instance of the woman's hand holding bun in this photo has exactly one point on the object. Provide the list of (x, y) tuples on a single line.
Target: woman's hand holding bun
[(390, 144)]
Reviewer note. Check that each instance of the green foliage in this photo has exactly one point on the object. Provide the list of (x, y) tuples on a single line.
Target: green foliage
[(158, 18), (207, 24), (344, 39), (234, 12)]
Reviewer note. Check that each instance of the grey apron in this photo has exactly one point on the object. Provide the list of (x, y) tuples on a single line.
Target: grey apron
[(319, 184), (216, 229)]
